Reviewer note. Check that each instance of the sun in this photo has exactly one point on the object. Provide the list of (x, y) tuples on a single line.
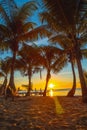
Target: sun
[(51, 86)]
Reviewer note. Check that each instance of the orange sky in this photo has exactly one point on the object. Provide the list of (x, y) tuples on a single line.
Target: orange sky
[(60, 81)]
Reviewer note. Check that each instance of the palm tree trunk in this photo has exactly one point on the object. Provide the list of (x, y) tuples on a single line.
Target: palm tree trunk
[(81, 76), (29, 85), (46, 85), (44, 93), (72, 91), (82, 81), (11, 81), (3, 87), (29, 79)]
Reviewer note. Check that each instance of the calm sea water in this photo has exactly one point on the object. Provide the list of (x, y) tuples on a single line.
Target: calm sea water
[(63, 92), (56, 92)]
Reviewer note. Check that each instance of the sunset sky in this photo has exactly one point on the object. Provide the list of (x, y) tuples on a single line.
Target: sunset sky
[(61, 80)]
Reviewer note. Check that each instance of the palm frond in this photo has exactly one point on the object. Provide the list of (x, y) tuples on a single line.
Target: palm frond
[(84, 53), (59, 64), (53, 24), (61, 40), (4, 17), (27, 10), (10, 8), (35, 34), (28, 26), (5, 66), (4, 31), (62, 10)]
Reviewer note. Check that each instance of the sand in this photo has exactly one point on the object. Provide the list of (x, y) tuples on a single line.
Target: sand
[(43, 113)]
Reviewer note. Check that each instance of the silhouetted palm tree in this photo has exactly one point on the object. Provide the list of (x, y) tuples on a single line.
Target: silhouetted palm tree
[(70, 55), (51, 61), (29, 62), (65, 45), (16, 28), (67, 19)]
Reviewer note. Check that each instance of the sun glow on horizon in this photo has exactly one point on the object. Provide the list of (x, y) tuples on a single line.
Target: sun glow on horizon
[(51, 86)]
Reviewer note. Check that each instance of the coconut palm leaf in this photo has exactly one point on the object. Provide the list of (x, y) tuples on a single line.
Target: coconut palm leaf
[(60, 63), (5, 67), (84, 53), (4, 17), (28, 26), (47, 17), (34, 34), (27, 10)]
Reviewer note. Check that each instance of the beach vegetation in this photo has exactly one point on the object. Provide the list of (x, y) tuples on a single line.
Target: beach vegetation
[(29, 62), (67, 19), (52, 61), (16, 27)]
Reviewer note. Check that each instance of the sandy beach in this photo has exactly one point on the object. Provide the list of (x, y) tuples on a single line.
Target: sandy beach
[(43, 113)]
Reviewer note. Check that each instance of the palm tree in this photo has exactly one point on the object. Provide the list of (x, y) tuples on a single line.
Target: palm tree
[(16, 28), (70, 54), (65, 46), (29, 62), (51, 62), (67, 19)]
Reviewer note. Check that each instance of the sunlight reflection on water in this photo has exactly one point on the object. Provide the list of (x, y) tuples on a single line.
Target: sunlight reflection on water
[(51, 93), (63, 93)]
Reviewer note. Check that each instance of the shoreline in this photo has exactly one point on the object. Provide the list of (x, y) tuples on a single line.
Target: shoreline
[(43, 113)]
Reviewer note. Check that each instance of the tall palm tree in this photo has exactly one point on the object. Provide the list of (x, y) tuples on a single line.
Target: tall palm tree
[(29, 62), (17, 27), (51, 61), (70, 55), (68, 20)]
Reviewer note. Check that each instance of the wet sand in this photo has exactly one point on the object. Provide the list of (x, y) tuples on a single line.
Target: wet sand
[(43, 113)]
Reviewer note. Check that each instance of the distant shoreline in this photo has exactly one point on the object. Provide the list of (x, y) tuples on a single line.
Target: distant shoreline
[(56, 92)]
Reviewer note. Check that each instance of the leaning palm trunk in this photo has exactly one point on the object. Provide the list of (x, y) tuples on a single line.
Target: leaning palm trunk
[(29, 86), (11, 81), (3, 87), (81, 76), (29, 79), (47, 80), (72, 91)]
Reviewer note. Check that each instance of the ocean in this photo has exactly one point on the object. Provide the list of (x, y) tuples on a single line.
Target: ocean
[(51, 92), (63, 92)]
